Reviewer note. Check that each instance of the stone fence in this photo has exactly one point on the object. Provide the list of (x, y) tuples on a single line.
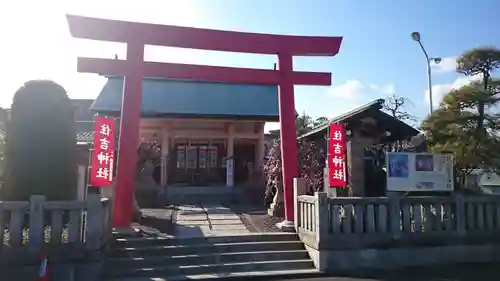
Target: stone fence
[(382, 233), (67, 232)]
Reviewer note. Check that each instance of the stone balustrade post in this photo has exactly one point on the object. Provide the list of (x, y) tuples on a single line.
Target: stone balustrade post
[(321, 214), (36, 223), (395, 216), (299, 188), (95, 218), (460, 214)]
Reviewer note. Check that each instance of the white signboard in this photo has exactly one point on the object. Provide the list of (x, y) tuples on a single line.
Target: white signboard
[(408, 171)]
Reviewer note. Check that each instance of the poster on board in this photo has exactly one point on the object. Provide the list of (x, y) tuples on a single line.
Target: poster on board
[(407, 171)]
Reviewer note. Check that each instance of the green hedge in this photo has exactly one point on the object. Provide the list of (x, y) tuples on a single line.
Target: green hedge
[(40, 144)]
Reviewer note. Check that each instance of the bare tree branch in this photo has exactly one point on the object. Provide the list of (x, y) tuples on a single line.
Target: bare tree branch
[(395, 105)]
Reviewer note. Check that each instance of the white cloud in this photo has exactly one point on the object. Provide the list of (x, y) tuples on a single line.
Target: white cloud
[(388, 89), (351, 89), (440, 90), (354, 93), (355, 90), (346, 106), (446, 65)]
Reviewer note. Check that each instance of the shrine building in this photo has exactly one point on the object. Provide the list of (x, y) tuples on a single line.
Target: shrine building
[(200, 125), (369, 128)]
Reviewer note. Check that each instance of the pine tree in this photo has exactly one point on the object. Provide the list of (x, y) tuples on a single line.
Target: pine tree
[(467, 122)]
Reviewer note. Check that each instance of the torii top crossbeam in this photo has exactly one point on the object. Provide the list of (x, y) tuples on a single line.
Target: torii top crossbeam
[(137, 35), (198, 38)]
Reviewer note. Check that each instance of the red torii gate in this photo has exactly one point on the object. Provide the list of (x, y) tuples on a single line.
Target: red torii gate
[(134, 68)]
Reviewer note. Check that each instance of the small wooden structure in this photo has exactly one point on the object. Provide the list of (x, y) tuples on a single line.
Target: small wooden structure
[(367, 126)]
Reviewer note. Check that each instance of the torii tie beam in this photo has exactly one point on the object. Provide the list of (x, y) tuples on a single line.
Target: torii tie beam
[(134, 69)]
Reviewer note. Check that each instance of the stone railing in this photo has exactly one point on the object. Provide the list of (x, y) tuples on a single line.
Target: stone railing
[(59, 229), (354, 225), (376, 221)]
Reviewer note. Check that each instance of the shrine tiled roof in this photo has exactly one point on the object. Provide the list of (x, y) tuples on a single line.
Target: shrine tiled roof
[(397, 128), (84, 137), (84, 132), (164, 97)]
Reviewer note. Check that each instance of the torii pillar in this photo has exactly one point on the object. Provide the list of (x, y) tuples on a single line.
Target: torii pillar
[(134, 69)]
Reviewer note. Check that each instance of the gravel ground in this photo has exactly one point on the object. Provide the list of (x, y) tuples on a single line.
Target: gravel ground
[(157, 221), (257, 220)]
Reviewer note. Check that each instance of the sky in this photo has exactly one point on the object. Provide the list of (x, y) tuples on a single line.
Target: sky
[(377, 57)]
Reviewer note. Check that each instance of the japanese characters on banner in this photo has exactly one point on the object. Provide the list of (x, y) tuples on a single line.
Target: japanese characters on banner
[(103, 155), (337, 152)]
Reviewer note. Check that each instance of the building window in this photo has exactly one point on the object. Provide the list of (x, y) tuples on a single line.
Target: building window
[(191, 157), (181, 156), (213, 156), (203, 157), (197, 156)]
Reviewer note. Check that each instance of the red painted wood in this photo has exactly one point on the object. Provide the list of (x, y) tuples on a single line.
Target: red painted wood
[(136, 35), (288, 132), (129, 139), (198, 38), (113, 67)]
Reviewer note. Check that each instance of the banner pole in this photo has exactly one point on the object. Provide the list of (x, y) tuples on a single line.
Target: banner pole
[(91, 149)]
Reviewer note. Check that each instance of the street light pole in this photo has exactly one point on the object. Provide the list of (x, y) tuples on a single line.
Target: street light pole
[(416, 36)]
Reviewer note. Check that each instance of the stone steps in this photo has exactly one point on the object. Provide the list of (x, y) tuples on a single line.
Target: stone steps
[(130, 234), (270, 275), (220, 268), (206, 220), (212, 258), (207, 248), (139, 241), (135, 257)]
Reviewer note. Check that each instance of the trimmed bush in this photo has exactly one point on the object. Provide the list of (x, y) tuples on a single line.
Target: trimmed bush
[(40, 144)]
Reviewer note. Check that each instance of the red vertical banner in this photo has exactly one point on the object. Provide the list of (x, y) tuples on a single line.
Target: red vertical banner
[(337, 156), (103, 155)]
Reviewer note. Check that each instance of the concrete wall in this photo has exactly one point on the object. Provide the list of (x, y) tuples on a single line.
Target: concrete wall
[(360, 259)]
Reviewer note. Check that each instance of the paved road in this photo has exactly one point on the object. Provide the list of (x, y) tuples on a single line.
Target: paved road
[(488, 272)]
